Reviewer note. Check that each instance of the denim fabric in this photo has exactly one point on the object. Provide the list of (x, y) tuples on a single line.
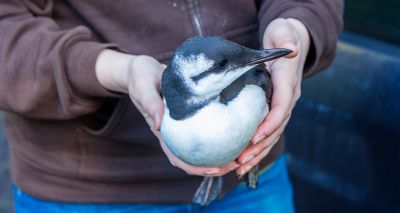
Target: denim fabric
[(273, 195)]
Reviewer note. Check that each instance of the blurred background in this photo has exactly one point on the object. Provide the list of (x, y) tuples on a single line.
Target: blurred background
[(344, 136)]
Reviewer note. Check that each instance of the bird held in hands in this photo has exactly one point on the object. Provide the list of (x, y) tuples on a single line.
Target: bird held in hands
[(214, 95)]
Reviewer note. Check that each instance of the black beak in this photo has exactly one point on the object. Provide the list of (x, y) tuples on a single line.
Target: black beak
[(260, 56)]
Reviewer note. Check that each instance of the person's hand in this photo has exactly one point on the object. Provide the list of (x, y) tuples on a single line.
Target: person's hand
[(286, 74), (140, 77)]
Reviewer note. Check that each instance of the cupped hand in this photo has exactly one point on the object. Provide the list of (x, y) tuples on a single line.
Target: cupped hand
[(140, 78), (286, 75)]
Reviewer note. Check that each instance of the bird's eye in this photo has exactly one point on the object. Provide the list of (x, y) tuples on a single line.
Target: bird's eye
[(223, 63)]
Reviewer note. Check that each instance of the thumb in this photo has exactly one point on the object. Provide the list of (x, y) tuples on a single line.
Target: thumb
[(147, 99), (280, 34), (154, 107), (287, 45)]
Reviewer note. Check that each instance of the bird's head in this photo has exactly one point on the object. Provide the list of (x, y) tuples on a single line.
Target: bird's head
[(207, 65)]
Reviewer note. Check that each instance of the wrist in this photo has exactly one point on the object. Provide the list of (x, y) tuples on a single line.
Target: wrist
[(112, 69)]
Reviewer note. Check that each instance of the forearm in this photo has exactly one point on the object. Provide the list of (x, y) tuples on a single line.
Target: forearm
[(112, 69), (125, 73), (46, 72)]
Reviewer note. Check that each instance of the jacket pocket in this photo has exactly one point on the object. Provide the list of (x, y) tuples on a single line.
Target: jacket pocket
[(124, 125), (102, 124)]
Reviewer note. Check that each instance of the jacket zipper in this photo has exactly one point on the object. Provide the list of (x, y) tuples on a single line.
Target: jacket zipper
[(194, 13)]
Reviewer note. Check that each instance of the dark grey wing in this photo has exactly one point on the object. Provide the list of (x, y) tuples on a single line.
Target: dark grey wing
[(259, 76)]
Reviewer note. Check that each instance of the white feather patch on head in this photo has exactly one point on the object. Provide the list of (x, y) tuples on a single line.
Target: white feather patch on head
[(213, 84), (193, 65)]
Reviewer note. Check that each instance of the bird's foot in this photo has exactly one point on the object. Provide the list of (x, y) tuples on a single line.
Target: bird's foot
[(251, 177), (208, 190)]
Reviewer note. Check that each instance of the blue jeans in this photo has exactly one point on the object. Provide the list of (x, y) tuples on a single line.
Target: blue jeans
[(274, 194)]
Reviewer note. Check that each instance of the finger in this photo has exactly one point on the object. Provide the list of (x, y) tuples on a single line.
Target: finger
[(280, 110), (191, 170), (287, 45), (150, 102), (279, 30), (206, 171), (280, 34), (197, 170), (255, 149), (145, 93), (224, 170), (243, 169), (155, 109)]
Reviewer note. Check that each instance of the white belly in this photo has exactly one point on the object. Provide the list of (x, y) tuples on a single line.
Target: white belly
[(217, 133)]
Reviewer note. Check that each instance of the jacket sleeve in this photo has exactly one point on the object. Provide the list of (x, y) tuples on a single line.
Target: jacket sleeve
[(46, 72), (322, 18)]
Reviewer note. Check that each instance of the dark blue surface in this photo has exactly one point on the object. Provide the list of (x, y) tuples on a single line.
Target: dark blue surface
[(274, 195), (344, 136)]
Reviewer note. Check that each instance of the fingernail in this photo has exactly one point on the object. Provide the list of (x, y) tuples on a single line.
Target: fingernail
[(157, 121), (247, 168), (258, 138), (248, 158), (212, 172)]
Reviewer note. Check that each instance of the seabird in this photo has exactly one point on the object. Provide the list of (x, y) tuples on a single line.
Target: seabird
[(215, 93)]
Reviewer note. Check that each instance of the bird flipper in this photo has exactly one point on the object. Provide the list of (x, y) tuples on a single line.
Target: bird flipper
[(208, 190)]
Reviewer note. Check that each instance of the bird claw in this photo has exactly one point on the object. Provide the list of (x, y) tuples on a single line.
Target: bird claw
[(211, 187), (251, 177)]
